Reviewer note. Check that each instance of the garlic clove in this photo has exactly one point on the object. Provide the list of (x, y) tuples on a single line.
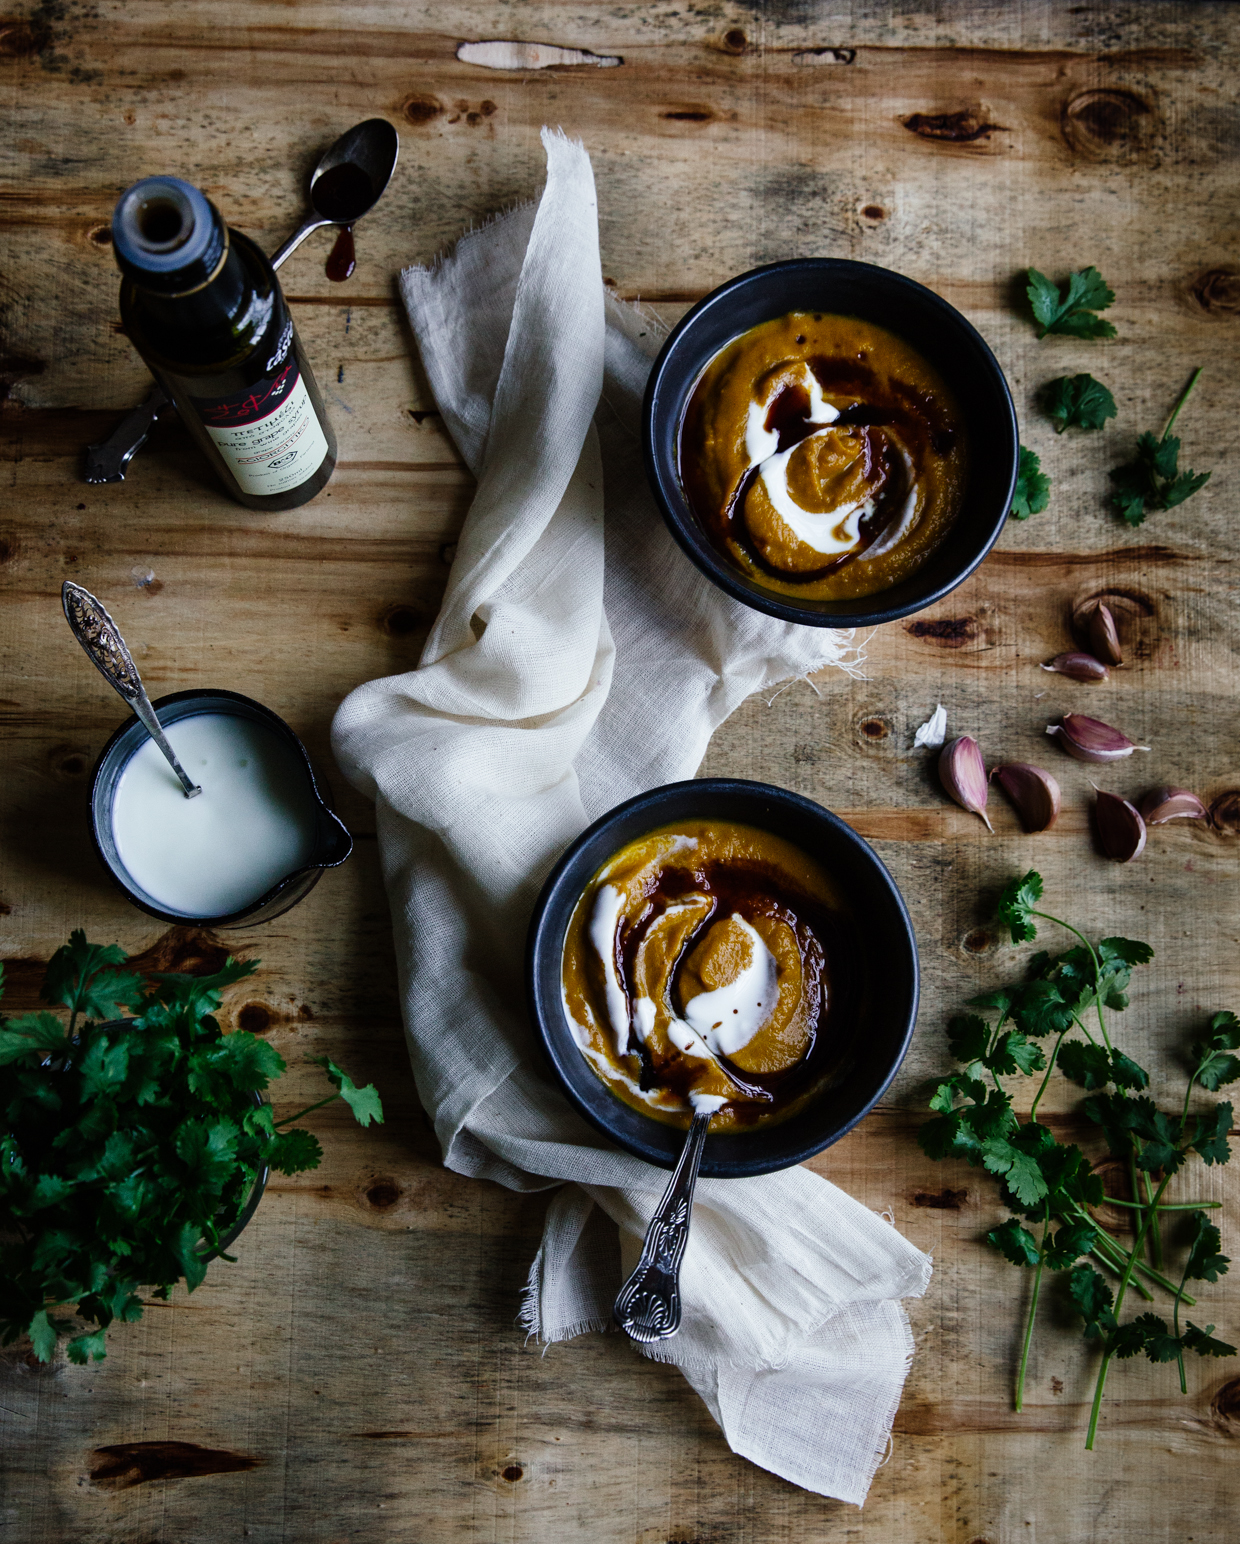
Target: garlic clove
[(1079, 666), (1104, 635), (962, 773), (1121, 830), (1033, 792), (1089, 739), (1163, 804)]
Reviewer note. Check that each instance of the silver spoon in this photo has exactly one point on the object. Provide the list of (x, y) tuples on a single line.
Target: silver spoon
[(99, 635), (648, 1307), (372, 148)]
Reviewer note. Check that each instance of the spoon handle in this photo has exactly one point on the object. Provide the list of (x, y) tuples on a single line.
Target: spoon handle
[(99, 635), (648, 1307), (287, 248)]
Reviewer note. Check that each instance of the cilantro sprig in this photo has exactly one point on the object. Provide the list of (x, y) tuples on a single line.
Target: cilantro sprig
[(1071, 311), (1053, 1185), (1077, 402), (130, 1146), (1152, 479), (1033, 487)]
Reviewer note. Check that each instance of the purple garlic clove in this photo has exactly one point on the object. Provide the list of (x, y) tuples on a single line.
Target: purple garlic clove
[(1164, 804), (1034, 794), (1104, 635), (962, 773), (1089, 739), (1079, 666), (1121, 831)]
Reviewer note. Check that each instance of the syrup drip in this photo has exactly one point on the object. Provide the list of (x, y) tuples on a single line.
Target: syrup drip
[(341, 260)]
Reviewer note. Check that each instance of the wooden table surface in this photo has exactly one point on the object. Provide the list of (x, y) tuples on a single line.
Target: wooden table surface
[(358, 1373)]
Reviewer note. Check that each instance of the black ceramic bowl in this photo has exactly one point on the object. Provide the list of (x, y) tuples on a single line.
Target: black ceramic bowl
[(884, 969), (938, 331), (332, 842)]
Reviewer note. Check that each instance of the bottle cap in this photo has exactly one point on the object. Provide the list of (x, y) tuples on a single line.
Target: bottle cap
[(167, 235)]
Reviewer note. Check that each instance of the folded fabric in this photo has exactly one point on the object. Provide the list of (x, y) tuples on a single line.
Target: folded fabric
[(579, 658)]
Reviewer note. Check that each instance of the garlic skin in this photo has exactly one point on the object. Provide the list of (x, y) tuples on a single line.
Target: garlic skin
[(1079, 666), (962, 773), (1033, 792), (1104, 635), (1089, 739), (1163, 804), (1121, 830), (934, 731)]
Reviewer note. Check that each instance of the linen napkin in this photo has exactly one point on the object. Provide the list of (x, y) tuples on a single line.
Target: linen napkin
[(579, 658)]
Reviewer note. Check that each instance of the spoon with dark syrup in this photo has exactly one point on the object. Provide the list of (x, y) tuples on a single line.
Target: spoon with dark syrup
[(346, 184)]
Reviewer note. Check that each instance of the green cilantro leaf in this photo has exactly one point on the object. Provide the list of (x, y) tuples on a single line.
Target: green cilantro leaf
[(1043, 1010), (1088, 1065), (1016, 906), (1129, 950), (1160, 1344), (1210, 1137), (42, 1334), (364, 1102), (1203, 1344), (1125, 1073), (1069, 1243), (1070, 311), (104, 1066), (1152, 479), (295, 1150), (87, 1348), (1205, 1263), (1017, 1167), (32, 1033), (1014, 1053), (1001, 1000), (1094, 1301), (1077, 401), (968, 1036), (1033, 487), (1215, 1066), (1015, 1243)]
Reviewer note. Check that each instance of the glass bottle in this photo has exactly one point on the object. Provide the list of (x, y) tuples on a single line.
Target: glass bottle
[(202, 305)]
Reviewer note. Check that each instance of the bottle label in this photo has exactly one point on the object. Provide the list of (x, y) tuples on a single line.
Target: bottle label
[(269, 434)]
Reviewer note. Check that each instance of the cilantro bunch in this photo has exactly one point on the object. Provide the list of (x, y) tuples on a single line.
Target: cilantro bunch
[(1052, 1184), (129, 1147)]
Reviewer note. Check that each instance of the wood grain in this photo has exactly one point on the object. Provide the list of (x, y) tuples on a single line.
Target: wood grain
[(358, 1373)]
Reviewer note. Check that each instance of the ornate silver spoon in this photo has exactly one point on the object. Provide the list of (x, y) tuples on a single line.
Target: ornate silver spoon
[(99, 635), (648, 1307), (370, 149)]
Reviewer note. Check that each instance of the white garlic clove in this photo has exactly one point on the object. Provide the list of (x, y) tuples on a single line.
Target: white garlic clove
[(1033, 792), (1163, 804), (1079, 666), (1089, 739), (1121, 830), (962, 773)]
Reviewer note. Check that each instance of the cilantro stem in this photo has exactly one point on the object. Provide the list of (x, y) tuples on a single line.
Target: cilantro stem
[(1142, 1201), (289, 1119), (1120, 1255), (1175, 1325), (1046, 917), (1175, 411), (1115, 1264), (1156, 1256), (1033, 1309), (1050, 1067), (1166, 1206), (1119, 1303)]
